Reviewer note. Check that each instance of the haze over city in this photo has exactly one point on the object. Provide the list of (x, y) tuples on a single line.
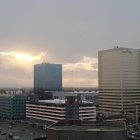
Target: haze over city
[(69, 32)]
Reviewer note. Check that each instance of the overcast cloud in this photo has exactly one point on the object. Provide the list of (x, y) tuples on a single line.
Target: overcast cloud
[(67, 31)]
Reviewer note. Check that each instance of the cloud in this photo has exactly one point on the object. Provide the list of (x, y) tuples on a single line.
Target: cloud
[(16, 69), (82, 73), (23, 57), (80, 82), (86, 63)]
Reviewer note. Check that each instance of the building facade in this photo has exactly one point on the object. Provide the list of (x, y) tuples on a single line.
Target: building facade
[(83, 130), (12, 107), (119, 79), (47, 77), (57, 110)]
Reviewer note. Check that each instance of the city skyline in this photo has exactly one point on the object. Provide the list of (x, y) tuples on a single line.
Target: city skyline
[(66, 32)]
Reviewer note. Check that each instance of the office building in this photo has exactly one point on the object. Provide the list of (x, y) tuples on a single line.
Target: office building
[(47, 77), (119, 79), (86, 130), (56, 110), (12, 106)]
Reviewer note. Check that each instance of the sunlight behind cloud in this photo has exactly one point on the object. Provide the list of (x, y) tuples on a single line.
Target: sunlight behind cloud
[(21, 57), (17, 67)]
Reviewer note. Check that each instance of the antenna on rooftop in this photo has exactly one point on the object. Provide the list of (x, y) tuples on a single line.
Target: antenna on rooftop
[(44, 58)]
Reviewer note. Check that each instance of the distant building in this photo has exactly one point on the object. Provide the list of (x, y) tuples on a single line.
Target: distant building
[(32, 98), (119, 79), (47, 77), (91, 96), (14, 92), (12, 106), (57, 110), (86, 130)]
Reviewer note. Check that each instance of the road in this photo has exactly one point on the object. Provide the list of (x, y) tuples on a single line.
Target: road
[(24, 131)]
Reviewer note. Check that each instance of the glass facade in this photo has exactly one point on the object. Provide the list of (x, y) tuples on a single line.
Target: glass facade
[(47, 77), (13, 107)]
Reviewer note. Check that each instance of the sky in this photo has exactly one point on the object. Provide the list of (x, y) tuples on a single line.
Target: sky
[(69, 32)]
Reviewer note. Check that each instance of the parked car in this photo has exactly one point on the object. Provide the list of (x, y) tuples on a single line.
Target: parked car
[(16, 138), (3, 133)]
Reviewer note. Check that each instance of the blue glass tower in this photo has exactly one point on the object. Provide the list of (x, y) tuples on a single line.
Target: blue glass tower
[(47, 77)]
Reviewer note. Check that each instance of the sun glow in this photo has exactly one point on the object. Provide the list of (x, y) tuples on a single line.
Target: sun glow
[(23, 57), (26, 57)]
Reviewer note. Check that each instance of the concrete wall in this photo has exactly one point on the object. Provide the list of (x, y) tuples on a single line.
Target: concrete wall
[(119, 79), (85, 135)]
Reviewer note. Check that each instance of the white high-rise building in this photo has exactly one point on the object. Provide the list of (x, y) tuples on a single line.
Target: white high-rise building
[(119, 79)]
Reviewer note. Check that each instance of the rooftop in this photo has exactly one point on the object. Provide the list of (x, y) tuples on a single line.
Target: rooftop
[(10, 94), (55, 101), (79, 125), (58, 101)]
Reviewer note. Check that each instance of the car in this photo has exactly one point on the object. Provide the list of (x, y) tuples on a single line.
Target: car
[(10, 127), (13, 123), (3, 133), (16, 138)]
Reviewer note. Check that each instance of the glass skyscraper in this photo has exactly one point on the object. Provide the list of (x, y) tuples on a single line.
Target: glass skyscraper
[(47, 77)]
